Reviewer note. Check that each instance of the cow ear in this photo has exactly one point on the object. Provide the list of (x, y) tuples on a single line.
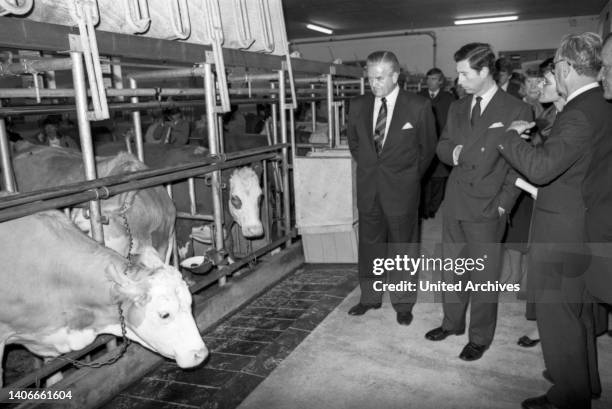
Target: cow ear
[(124, 287)]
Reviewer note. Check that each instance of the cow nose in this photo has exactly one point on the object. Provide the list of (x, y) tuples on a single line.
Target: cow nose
[(200, 355), (252, 230)]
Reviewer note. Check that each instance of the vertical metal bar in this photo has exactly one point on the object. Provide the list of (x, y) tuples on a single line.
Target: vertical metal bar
[(337, 123), (343, 112), (362, 85), (292, 133), (137, 124), (192, 196), (8, 179), (175, 253), (117, 75), (284, 153), (213, 146), (221, 135), (274, 117), (266, 204), (330, 110), (313, 109), (89, 162)]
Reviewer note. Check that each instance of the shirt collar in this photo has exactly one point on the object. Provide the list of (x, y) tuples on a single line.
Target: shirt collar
[(581, 90), (486, 97), (435, 93)]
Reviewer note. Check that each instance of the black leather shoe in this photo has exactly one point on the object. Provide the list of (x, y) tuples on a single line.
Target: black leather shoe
[(472, 351), (541, 402), (404, 317), (361, 309), (546, 375), (527, 342), (438, 334)]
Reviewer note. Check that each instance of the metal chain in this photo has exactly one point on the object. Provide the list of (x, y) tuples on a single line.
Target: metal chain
[(126, 340)]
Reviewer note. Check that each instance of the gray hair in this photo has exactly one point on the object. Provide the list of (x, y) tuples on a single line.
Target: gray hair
[(384, 56), (583, 52)]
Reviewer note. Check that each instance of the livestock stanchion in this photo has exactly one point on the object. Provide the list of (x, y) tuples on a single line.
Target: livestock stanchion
[(5, 159), (284, 152)]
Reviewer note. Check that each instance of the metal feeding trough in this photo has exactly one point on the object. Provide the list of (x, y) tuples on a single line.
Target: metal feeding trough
[(197, 264)]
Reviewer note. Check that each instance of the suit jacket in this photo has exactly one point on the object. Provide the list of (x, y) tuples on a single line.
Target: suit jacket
[(559, 167), (408, 149), (483, 180), (440, 104), (597, 193)]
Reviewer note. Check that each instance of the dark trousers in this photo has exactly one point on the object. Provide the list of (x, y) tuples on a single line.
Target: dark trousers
[(386, 236), (433, 194), (472, 240), (565, 316)]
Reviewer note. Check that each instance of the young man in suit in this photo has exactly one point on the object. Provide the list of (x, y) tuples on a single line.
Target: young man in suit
[(479, 192), (564, 309), (434, 181), (391, 135), (503, 69)]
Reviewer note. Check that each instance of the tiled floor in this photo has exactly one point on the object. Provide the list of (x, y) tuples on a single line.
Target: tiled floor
[(247, 346)]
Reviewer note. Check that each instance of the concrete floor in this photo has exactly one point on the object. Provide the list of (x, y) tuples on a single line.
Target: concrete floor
[(372, 362)]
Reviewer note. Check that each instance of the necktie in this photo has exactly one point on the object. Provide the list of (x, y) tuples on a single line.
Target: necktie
[(432, 95), (476, 112), (381, 126)]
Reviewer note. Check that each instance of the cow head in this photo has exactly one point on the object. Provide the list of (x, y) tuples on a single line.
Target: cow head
[(245, 195), (157, 308)]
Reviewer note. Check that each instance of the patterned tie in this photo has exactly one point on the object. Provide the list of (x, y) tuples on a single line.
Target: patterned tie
[(475, 112), (381, 126)]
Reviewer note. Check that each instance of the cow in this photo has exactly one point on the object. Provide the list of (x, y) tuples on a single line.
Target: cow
[(150, 213), (61, 289), (241, 197)]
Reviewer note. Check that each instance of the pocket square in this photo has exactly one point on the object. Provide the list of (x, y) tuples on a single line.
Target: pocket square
[(496, 125), (407, 125)]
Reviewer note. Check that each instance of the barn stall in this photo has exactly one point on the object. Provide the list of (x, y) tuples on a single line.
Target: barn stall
[(95, 64)]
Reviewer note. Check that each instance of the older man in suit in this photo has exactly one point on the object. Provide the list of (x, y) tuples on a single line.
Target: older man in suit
[(437, 174), (391, 135), (564, 309), (479, 192)]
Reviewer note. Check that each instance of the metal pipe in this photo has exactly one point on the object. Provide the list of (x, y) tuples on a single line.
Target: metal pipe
[(137, 124), (362, 86), (313, 110), (89, 161), (163, 74), (5, 159), (35, 66), (284, 153), (213, 146), (330, 110), (349, 37), (175, 253), (266, 203), (190, 216), (192, 196)]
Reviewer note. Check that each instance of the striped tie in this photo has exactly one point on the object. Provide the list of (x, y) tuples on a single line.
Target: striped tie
[(381, 126), (475, 117)]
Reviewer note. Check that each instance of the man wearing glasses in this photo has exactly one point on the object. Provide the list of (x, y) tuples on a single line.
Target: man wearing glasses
[(564, 309), (391, 135)]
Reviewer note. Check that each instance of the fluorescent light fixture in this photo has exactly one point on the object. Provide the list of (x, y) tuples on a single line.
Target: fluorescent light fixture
[(319, 29), (485, 20)]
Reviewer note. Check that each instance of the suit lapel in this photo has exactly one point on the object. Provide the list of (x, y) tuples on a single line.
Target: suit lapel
[(368, 119), (490, 113)]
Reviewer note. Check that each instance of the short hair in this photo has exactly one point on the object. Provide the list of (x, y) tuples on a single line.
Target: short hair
[(504, 65), (435, 71), (478, 55), (583, 52), (384, 56)]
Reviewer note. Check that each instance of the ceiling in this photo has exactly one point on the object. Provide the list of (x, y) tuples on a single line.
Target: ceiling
[(367, 16)]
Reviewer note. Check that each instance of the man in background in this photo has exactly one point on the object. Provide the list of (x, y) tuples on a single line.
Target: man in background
[(503, 67), (434, 181)]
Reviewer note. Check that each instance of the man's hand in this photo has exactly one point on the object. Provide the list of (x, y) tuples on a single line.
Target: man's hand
[(520, 126), (501, 211), (456, 153)]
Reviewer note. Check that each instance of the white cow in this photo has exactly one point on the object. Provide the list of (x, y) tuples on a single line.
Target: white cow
[(60, 289)]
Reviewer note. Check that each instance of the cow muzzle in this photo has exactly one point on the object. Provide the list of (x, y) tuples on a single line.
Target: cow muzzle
[(191, 358), (252, 230)]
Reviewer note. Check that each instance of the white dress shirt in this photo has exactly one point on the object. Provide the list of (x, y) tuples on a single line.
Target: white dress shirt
[(391, 98)]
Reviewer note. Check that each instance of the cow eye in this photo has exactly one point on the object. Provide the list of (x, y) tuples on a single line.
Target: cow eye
[(164, 315), (236, 202)]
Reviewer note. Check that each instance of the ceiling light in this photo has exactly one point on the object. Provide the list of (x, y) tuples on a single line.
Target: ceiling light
[(485, 20), (319, 29)]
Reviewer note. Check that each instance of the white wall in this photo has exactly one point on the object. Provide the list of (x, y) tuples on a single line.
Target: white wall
[(415, 52)]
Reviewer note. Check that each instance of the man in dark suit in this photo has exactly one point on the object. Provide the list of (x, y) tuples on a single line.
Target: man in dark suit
[(479, 192), (434, 181), (503, 69), (391, 137), (597, 191), (564, 310)]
